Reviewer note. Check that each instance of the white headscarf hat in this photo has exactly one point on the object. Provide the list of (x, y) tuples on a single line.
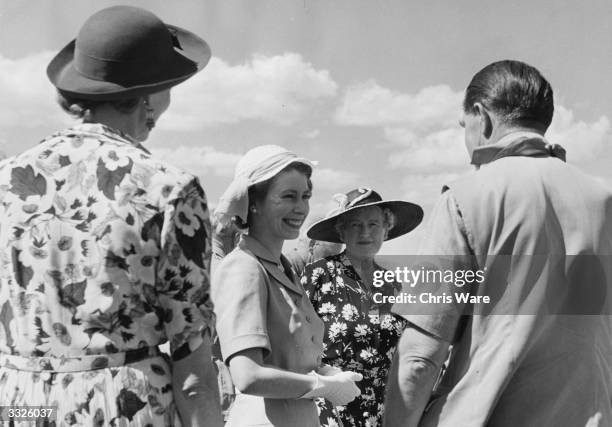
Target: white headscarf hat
[(257, 165)]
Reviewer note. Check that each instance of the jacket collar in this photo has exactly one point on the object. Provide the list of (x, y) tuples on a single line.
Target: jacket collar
[(272, 265)]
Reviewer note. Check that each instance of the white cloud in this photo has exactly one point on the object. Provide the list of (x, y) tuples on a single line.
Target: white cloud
[(334, 179), (278, 89), (427, 139), (584, 141), (199, 161), (28, 98), (311, 134), (436, 152), (205, 160), (423, 127), (369, 104)]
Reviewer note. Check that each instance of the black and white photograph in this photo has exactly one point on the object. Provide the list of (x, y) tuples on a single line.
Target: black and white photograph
[(306, 213)]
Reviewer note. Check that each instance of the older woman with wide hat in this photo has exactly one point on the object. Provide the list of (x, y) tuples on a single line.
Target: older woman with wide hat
[(270, 336), (360, 334), (105, 250)]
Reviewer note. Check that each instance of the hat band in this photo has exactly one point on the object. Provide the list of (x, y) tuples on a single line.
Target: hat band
[(132, 72), (372, 198)]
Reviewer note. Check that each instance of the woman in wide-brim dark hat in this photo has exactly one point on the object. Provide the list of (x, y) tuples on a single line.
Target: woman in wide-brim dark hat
[(106, 249), (360, 331)]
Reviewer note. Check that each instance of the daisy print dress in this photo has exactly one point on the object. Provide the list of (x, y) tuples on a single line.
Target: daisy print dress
[(360, 336)]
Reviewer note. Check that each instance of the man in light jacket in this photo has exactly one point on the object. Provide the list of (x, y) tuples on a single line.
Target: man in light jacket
[(539, 231)]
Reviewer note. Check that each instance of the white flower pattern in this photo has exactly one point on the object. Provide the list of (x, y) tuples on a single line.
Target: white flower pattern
[(361, 337)]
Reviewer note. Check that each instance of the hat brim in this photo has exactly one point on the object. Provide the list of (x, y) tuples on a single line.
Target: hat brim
[(407, 217), (191, 58)]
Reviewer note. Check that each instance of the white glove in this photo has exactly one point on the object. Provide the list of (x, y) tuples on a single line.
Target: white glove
[(327, 370), (339, 388)]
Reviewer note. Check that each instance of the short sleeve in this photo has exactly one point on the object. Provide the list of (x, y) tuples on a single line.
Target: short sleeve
[(240, 295), (445, 245), (183, 274)]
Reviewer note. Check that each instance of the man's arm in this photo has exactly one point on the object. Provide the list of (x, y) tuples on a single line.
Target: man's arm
[(416, 366), (423, 347)]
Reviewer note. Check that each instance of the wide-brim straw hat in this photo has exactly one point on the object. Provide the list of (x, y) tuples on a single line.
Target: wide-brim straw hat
[(125, 52), (407, 215)]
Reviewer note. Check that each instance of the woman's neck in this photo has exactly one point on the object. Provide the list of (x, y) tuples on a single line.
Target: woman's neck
[(272, 244), (361, 263), (364, 266), (110, 117)]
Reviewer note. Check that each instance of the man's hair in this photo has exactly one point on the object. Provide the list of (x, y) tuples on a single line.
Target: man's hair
[(514, 91)]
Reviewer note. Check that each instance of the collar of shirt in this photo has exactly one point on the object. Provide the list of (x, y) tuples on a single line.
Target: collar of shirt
[(275, 267), (522, 143)]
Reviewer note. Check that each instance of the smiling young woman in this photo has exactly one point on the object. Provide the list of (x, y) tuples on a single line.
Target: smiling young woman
[(270, 336), (280, 206)]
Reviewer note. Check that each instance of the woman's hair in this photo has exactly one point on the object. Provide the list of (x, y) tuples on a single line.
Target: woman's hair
[(82, 108), (259, 191), (388, 220), (513, 90)]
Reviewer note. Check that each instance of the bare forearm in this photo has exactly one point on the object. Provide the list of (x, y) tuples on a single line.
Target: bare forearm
[(195, 389), (274, 383)]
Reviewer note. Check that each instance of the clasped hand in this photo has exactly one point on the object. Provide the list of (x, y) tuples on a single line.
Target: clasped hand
[(336, 386)]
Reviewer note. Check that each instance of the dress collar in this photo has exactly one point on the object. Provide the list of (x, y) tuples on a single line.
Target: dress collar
[(346, 261), (529, 144), (259, 250), (98, 129), (275, 267)]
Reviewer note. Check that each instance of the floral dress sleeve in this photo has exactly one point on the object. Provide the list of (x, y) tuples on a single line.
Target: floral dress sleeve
[(183, 281)]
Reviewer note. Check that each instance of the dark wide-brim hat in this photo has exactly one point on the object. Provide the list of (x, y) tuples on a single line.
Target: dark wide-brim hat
[(124, 52), (407, 215)]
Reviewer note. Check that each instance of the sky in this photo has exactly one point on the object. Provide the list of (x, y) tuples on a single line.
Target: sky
[(370, 89)]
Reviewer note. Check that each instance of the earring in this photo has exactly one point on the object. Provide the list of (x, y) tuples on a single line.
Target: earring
[(253, 209), (150, 118)]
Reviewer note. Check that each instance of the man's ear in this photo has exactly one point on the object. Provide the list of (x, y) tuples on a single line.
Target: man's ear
[(486, 121)]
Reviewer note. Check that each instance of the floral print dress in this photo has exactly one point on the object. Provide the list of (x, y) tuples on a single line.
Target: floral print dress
[(360, 336), (104, 255)]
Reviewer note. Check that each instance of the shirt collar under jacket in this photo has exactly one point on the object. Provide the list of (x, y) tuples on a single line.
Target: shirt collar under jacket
[(522, 143)]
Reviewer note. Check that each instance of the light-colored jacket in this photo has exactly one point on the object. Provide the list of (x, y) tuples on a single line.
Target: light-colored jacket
[(540, 354)]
